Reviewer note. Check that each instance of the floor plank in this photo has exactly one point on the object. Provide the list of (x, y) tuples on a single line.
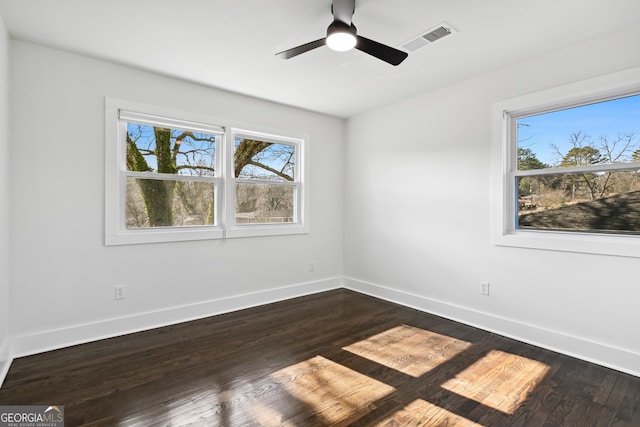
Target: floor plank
[(334, 358)]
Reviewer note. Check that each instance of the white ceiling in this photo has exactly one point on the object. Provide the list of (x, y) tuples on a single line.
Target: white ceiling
[(230, 44)]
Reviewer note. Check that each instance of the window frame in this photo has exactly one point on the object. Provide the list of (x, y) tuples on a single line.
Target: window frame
[(116, 173), (261, 229), (504, 166)]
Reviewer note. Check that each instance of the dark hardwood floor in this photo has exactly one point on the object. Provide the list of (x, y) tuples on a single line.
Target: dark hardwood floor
[(335, 358)]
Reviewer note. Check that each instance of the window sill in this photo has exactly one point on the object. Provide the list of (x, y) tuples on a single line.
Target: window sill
[(266, 230), (142, 236), (133, 237), (614, 245)]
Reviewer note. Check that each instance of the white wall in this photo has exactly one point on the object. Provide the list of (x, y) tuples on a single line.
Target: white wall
[(64, 276), (4, 200), (417, 203)]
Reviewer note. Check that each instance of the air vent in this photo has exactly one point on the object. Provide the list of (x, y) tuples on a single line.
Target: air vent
[(437, 34), (429, 36)]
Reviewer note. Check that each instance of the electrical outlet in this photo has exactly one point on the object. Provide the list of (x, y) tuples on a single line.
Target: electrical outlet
[(120, 292), (484, 288), (312, 266)]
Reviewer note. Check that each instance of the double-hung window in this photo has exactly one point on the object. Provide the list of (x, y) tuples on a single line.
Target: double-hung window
[(266, 173), (169, 172), (173, 176), (570, 168)]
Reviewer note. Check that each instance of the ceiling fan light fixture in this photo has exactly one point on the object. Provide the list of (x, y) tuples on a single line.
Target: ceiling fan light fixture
[(341, 37)]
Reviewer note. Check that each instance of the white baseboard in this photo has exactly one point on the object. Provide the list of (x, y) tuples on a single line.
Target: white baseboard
[(601, 354), (5, 360), (594, 352), (26, 345)]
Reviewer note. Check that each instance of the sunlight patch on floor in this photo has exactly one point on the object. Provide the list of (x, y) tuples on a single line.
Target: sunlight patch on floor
[(422, 413), (335, 392), (408, 349), (499, 380)]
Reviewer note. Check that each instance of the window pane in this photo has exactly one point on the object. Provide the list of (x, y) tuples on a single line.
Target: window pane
[(173, 151), (607, 202), (598, 133), (264, 203), (169, 203), (264, 160)]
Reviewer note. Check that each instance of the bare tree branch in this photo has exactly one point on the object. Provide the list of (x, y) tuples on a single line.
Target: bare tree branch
[(270, 169)]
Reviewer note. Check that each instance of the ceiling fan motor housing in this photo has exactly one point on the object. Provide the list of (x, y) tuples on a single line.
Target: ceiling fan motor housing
[(341, 36)]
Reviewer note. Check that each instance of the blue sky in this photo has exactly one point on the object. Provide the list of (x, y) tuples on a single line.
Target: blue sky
[(609, 118), (203, 152)]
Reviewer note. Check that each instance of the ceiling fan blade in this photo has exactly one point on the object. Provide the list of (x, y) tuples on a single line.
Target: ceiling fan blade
[(383, 52), (343, 10), (295, 51)]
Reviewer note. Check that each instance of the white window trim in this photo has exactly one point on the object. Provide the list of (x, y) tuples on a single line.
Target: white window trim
[(248, 230), (116, 232), (503, 232)]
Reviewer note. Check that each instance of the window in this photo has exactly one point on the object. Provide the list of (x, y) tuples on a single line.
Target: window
[(169, 172), (175, 176), (266, 181), (570, 168), (577, 169)]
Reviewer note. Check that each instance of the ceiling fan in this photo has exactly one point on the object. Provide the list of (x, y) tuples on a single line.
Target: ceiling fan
[(342, 36)]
